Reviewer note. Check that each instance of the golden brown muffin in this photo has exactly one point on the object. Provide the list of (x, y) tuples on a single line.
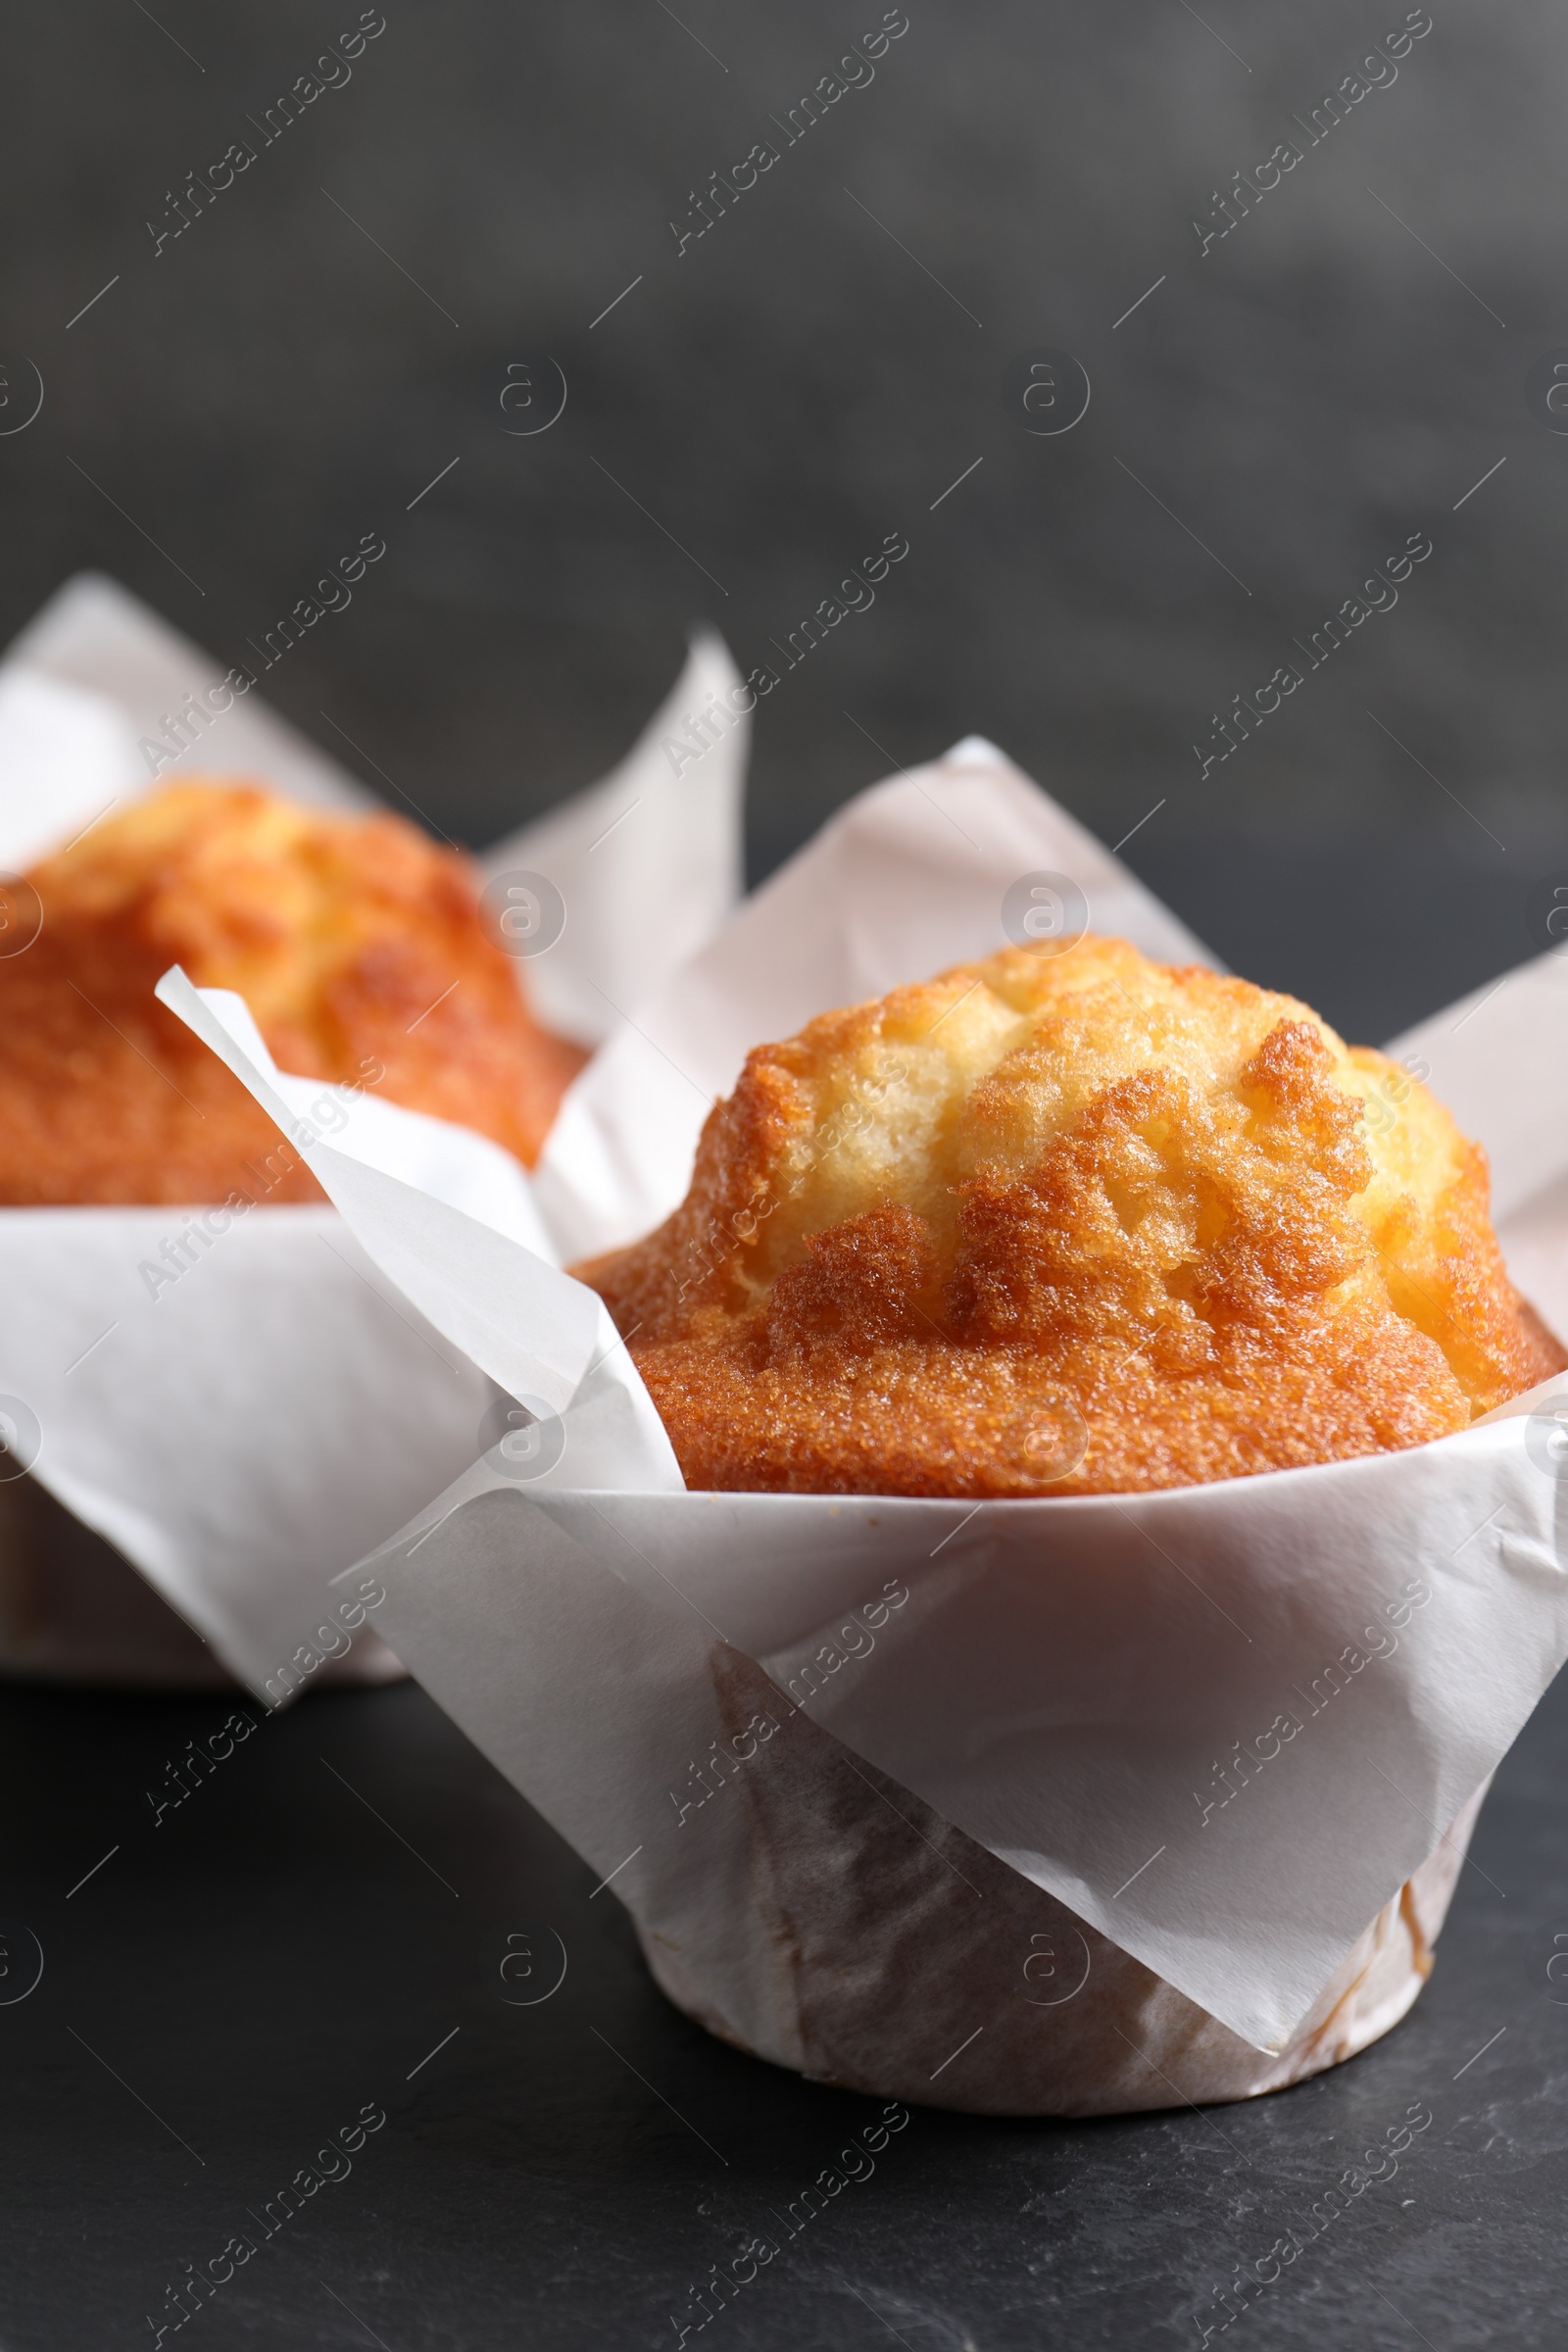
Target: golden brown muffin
[(356, 944), (1059, 1204)]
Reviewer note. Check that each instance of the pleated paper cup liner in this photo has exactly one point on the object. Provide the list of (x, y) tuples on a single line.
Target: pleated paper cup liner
[(1058, 1805), (243, 1432), (885, 1935)]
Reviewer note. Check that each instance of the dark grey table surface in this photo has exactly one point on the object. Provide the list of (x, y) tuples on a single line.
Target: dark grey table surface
[(304, 1944)]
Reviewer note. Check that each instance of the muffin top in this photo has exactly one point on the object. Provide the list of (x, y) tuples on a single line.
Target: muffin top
[(1069, 1222), (356, 943)]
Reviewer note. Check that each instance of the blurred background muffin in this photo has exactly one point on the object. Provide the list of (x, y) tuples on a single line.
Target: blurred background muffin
[(358, 944)]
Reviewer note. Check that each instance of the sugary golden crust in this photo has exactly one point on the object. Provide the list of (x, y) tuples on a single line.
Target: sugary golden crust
[(1069, 1223), (356, 944)]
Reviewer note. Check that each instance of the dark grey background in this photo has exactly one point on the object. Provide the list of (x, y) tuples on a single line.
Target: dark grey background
[(793, 385), (796, 384)]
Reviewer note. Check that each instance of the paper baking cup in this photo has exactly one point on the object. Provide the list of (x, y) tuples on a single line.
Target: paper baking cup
[(73, 1610), (1229, 1737), (242, 1433), (886, 1934)]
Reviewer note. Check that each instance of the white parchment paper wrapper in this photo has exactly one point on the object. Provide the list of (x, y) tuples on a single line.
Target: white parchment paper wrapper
[(1219, 1727), (252, 1429), (1496, 1059)]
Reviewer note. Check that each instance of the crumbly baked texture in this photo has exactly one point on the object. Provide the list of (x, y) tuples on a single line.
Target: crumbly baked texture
[(1069, 1223), (356, 944)]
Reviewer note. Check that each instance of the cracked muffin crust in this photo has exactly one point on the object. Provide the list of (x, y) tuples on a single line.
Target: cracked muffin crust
[(356, 943), (1069, 1222)]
